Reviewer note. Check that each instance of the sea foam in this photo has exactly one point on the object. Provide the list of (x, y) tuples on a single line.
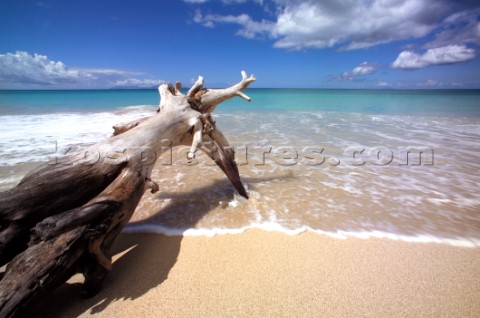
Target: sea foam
[(275, 227), (36, 138)]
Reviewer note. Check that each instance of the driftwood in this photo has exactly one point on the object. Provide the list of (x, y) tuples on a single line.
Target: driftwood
[(63, 217)]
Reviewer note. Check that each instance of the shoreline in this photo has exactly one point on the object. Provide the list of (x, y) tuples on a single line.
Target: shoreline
[(155, 229), (260, 273)]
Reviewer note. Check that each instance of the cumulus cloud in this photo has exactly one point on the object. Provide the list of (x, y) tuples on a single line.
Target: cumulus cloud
[(347, 25), (449, 54), (21, 67), (354, 24), (361, 70), (24, 70)]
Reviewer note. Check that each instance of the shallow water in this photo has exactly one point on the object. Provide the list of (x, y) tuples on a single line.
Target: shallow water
[(401, 165)]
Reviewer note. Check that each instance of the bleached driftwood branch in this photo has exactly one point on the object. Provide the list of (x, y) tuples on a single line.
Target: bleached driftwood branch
[(212, 97)]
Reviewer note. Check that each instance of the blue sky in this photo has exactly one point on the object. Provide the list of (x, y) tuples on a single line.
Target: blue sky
[(284, 43)]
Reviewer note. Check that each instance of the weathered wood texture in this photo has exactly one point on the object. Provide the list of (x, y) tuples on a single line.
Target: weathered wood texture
[(63, 217)]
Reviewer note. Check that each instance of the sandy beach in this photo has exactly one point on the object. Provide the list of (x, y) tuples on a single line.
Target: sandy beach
[(268, 274), (293, 158)]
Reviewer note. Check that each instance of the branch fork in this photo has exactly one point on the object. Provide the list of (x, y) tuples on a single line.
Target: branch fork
[(204, 101)]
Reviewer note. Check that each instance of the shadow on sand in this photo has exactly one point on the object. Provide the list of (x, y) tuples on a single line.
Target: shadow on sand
[(137, 254)]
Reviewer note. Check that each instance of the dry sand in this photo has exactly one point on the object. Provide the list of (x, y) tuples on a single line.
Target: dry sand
[(263, 274)]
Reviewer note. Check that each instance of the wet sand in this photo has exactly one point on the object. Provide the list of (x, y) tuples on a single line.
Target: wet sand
[(268, 274)]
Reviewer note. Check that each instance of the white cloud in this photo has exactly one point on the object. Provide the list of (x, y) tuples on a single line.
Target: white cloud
[(23, 70), (348, 25), (432, 83), (428, 84), (107, 72), (383, 84), (250, 28), (361, 70), (138, 82), (449, 54), (22, 67)]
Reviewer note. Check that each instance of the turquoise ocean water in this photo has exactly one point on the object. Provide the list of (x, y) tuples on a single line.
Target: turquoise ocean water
[(393, 102), (400, 164)]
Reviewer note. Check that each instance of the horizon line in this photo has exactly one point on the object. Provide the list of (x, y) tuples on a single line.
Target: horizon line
[(250, 88)]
